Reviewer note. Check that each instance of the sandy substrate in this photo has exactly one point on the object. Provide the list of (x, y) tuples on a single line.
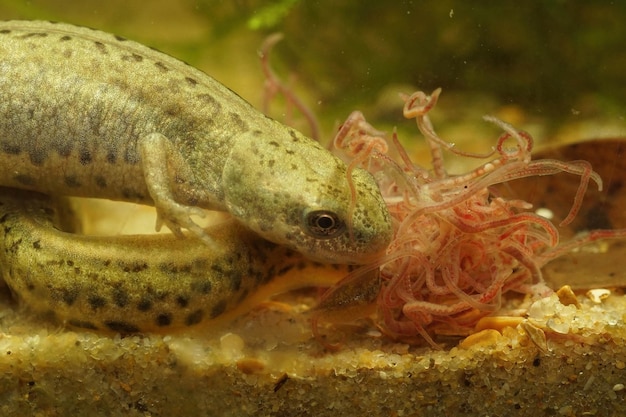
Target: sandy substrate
[(560, 360)]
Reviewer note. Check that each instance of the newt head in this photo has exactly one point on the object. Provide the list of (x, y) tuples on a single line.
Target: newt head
[(292, 191)]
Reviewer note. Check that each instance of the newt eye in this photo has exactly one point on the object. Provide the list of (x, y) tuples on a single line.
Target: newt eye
[(323, 224)]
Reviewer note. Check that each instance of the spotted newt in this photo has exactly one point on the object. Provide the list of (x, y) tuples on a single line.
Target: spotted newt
[(89, 114), (138, 283)]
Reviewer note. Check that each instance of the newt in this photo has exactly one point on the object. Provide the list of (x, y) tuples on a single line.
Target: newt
[(140, 283), (90, 114)]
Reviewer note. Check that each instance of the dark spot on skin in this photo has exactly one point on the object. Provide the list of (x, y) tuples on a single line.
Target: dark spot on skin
[(85, 157), (37, 245), (72, 181), (65, 38), (100, 181), (5, 31), (35, 35), (133, 266), (274, 143), (284, 270), (132, 195), (144, 305), (271, 272), (121, 326), (120, 297), (37, 156), (131, 156), (202, 287), (191, 81), (96, 302), (217, 269), (111, 157), (82, 324), (132, 58), (251, 272), (65, 149), (182, 301), (161, 66), (10, 148), (172, 111), (69, 296), (218, 309), (238, 121), (119, 38), (101, 47), (172, 268), (210, 102), (164, 319), (194, 318), (25, 179), (69, 262)]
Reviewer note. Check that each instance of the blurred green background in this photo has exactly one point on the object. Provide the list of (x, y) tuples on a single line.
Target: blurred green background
[(556, 68)]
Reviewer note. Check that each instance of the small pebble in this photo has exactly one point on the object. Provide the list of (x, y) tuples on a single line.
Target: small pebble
[(597, 295), (232, 343), (567, 296)]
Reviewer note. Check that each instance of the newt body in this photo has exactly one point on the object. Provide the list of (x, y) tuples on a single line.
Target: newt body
[(86, 113), (137, 283)]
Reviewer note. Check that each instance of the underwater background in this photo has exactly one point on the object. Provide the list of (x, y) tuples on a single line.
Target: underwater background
[(553, 68)]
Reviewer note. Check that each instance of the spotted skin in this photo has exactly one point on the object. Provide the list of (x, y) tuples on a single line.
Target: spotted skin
[(129, 284), (86, 113)]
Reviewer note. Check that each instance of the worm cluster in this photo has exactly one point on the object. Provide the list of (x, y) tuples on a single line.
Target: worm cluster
[(458, 246)]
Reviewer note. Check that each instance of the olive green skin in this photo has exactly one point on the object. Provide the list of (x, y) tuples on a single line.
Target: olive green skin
[(140, 283), (86, 113)]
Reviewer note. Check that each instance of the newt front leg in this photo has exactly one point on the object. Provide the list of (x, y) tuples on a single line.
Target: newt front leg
[(157, 153)]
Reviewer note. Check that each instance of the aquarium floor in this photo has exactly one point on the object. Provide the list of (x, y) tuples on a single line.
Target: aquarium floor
[(553, 360), (560, 360)]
